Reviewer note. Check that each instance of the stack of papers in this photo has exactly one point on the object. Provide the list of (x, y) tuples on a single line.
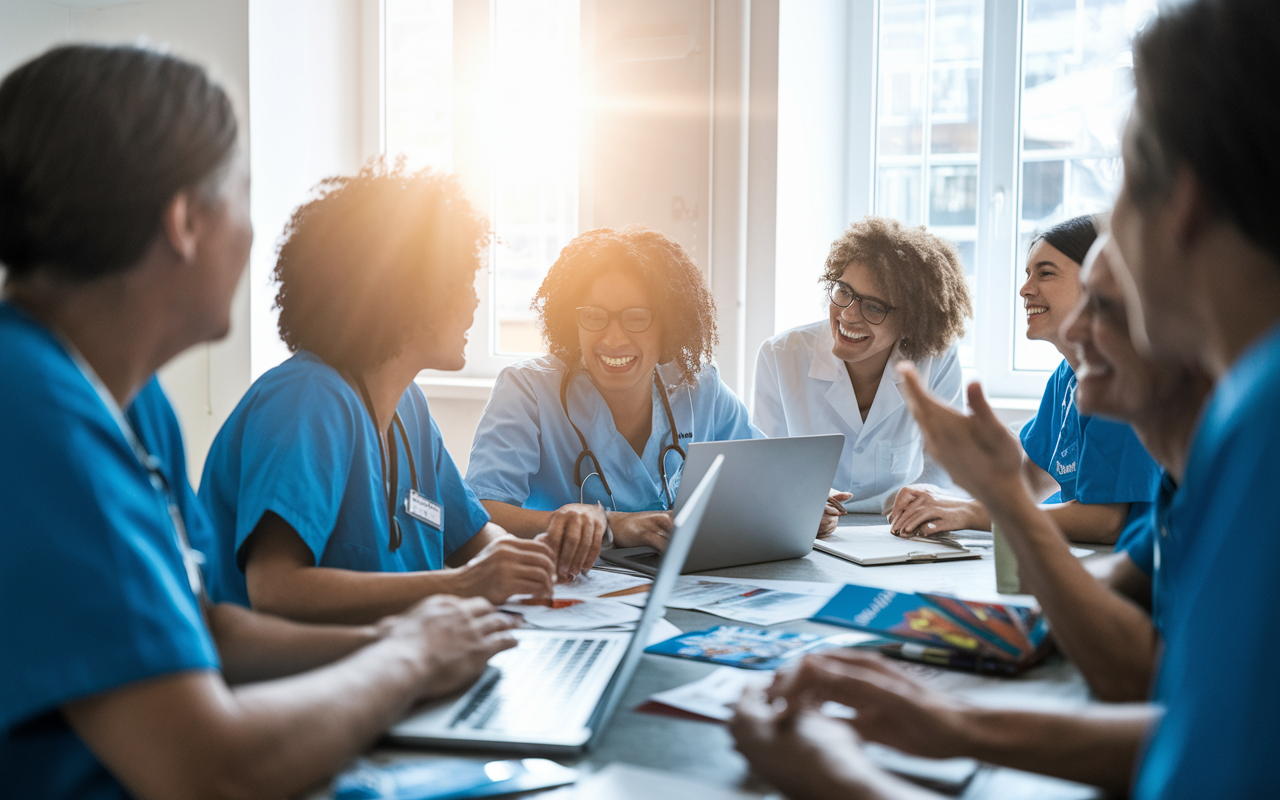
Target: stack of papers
[(750, 648), (584, 604)]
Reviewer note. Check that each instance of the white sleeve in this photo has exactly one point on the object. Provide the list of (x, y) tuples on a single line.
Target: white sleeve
[(766, 396), (946, 382), (507, 449)]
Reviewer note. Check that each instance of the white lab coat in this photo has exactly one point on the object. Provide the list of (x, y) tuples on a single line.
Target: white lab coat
[(801, 388)]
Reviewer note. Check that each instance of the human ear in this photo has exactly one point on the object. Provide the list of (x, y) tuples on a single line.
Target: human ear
[(180, 226)]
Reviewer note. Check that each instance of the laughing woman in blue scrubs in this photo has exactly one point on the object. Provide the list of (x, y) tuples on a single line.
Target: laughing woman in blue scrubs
[(329, 486), (1096, 477), (124, 229), (591, 437)]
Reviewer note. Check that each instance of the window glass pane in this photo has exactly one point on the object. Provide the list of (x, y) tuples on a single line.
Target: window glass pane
[(419, 64), (1077, 86), (535, 136), (931, 49)]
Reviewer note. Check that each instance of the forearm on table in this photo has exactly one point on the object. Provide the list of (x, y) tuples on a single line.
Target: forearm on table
[(344, 596), (523, 522), (1096, 523), (1108, 637), (1097, 745), (259, 647)]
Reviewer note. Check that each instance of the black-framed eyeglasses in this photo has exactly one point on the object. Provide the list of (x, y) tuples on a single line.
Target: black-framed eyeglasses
[(634, 320), (872, 310)]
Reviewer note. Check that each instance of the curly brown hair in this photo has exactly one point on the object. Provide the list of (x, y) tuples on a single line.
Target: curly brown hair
[(921, 273), (680, 295), (369, 253)]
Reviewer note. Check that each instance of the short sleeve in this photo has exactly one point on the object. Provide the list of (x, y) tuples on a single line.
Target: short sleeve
[(96, 569), (1039, 433), (1114, 466), (766, 395), (296, 450), (730, 418), (507, 448)]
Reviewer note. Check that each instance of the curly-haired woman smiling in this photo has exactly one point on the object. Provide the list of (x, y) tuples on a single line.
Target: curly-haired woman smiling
[(333, 496), (591, 437)]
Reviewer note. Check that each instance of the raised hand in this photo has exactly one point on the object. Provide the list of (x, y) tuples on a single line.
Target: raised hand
[(978, 451)]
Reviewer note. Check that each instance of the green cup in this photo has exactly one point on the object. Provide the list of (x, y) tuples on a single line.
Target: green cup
[(1006, 565)]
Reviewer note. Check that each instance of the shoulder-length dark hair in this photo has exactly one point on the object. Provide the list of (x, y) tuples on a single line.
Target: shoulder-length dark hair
[(370, 253), (680, 295), (921, 273)]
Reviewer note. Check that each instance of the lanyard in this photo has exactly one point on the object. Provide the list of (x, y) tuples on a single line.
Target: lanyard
[(389, 460), (191, 558)]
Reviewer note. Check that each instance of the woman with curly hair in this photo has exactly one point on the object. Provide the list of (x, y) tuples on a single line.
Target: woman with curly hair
[(332, 494), (895, 292), (1096, 479), (591, 437)]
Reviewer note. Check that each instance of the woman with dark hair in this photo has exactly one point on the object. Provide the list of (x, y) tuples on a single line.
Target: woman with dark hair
[(124, 228), (895, 292), (333, 497), (591, 437), (1096, 478)]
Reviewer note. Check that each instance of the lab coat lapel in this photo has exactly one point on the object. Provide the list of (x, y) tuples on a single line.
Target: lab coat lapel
[(888, 397), (826, 367)]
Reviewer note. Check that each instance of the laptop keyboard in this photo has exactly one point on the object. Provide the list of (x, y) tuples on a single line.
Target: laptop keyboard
[(531, 686)]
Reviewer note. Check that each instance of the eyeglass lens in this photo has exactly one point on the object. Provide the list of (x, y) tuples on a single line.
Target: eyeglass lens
[(634, 320), (872, 311)]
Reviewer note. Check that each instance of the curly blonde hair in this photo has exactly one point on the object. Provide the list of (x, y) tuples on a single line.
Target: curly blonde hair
[(680, 295), (921, 273)]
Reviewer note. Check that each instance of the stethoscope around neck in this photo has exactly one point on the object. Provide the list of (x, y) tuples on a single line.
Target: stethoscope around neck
[(587, 453), (390, 466)]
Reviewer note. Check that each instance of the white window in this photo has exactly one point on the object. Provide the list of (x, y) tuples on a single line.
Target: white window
[(491, 91)]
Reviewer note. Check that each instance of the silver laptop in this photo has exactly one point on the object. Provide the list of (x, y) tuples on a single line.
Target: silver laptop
[(555, 691), (767, 508)]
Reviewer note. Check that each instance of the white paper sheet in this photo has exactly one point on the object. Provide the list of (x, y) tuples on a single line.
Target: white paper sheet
[(597, 582), (714, 696), (580, 616), (744, 602)]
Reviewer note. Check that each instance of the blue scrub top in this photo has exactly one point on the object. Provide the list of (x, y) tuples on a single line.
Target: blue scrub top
[(301, 444), (92, 582), (1094, 460), (1220, 549), (524, 449)]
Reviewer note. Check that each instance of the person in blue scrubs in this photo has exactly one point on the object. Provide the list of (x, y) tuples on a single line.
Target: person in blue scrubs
[(329, 486), (591, 437), (124, 230), (895, 292), (1195, 224), (1094, 475)]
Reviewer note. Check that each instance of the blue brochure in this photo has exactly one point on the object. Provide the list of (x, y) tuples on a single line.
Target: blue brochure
[(448, 779), (750, 648)]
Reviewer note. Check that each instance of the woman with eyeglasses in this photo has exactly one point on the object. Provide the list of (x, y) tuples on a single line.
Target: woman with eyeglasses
[(591, 438), (894, 292), (1095, 477), (329, 486)]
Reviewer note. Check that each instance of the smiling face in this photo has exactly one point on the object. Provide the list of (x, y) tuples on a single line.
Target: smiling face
[(620, 362), (1113, 379), (856, 340), (1051, 291)]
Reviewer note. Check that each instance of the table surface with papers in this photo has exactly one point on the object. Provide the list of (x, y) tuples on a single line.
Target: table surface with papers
[(704, 752)]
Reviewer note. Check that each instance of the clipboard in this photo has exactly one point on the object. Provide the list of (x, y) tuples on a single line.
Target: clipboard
[(874, 545)]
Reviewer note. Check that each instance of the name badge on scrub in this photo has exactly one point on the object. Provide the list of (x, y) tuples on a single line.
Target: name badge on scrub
[(423, 510)]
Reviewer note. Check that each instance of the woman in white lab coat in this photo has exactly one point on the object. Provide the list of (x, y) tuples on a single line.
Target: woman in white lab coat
[(895, 292)]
